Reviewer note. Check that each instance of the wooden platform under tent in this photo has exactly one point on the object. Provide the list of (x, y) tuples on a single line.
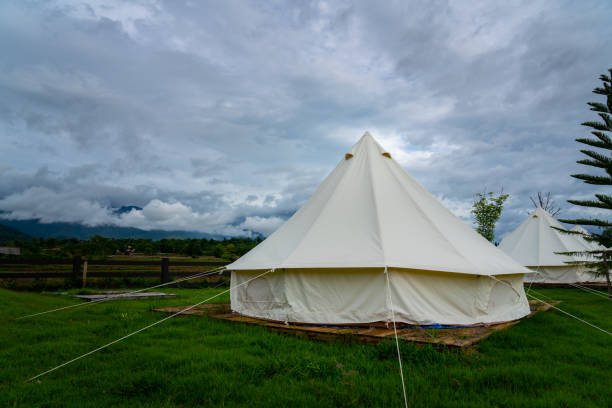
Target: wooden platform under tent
[(456, 337)]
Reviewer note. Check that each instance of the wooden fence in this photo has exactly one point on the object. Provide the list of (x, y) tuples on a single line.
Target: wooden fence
[(79, 268)]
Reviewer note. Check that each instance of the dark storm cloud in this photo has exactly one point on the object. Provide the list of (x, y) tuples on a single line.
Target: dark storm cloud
[(224, 116)]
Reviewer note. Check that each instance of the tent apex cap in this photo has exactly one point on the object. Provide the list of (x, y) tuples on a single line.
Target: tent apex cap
[(367, 136)]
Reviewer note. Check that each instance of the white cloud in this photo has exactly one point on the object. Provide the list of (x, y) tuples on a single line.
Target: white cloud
[(171, 216), (50, 206), (128, 14), (265, 226), (461, 208), (159, 211)]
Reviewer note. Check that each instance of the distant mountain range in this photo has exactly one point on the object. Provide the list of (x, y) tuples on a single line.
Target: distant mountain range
[(9, 233), (21, 229)]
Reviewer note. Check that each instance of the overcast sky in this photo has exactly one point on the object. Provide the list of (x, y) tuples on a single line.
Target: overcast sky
[(224, 116)]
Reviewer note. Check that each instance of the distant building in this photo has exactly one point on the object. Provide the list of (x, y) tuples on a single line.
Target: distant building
[(10, 251)]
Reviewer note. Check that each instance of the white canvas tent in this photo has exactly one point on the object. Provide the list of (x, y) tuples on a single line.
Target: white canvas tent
[(535, 244), (367, 217)]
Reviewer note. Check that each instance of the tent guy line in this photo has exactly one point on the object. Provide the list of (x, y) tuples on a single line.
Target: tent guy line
[(399, 357), (584, 288), (561, 310), (197, 275), (531, 283), (143, 328), (589, 290), (571, 315)]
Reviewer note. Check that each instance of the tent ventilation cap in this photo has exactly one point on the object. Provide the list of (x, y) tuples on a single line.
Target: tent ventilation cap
[(387, 155), (348, 156)]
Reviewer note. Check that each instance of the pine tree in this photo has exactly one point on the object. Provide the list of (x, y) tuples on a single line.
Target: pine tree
[(601, 159)]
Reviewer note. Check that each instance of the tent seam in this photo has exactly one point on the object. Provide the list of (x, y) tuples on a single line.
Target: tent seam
[(523, 232), (433, 223), (316, 218), (378, 226), (563, 245)]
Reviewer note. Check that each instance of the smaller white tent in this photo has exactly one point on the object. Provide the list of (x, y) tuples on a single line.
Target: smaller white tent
[(537, 245)]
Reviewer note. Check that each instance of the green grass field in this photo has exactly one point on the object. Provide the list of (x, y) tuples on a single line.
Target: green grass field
[(549, 360)]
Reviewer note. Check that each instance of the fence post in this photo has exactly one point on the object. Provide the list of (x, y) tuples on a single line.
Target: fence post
[(76, 267), (165, 270), (84, 272)]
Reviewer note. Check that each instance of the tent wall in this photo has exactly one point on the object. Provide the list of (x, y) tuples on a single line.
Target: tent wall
[(360, 296), (561, 274), (429, 298)]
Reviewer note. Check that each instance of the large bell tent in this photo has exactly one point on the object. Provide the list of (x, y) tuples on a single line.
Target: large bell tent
[(369, 240)]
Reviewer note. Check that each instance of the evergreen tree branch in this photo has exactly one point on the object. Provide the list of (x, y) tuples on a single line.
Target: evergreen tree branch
[(587, 221), (598, 107), (603, 137), (604, 199), (592, 163), (602, 91), (591, 203), (566, 231), (606, 119), (598, 180), (603, 159), (585, 254), (596, 125), (595, 143)]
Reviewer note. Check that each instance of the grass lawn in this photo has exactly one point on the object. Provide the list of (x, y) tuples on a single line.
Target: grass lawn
[(550, 360)]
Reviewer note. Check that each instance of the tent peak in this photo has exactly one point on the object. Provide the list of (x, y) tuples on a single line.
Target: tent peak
[(540, 210), (367, 144), (367, 136)]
